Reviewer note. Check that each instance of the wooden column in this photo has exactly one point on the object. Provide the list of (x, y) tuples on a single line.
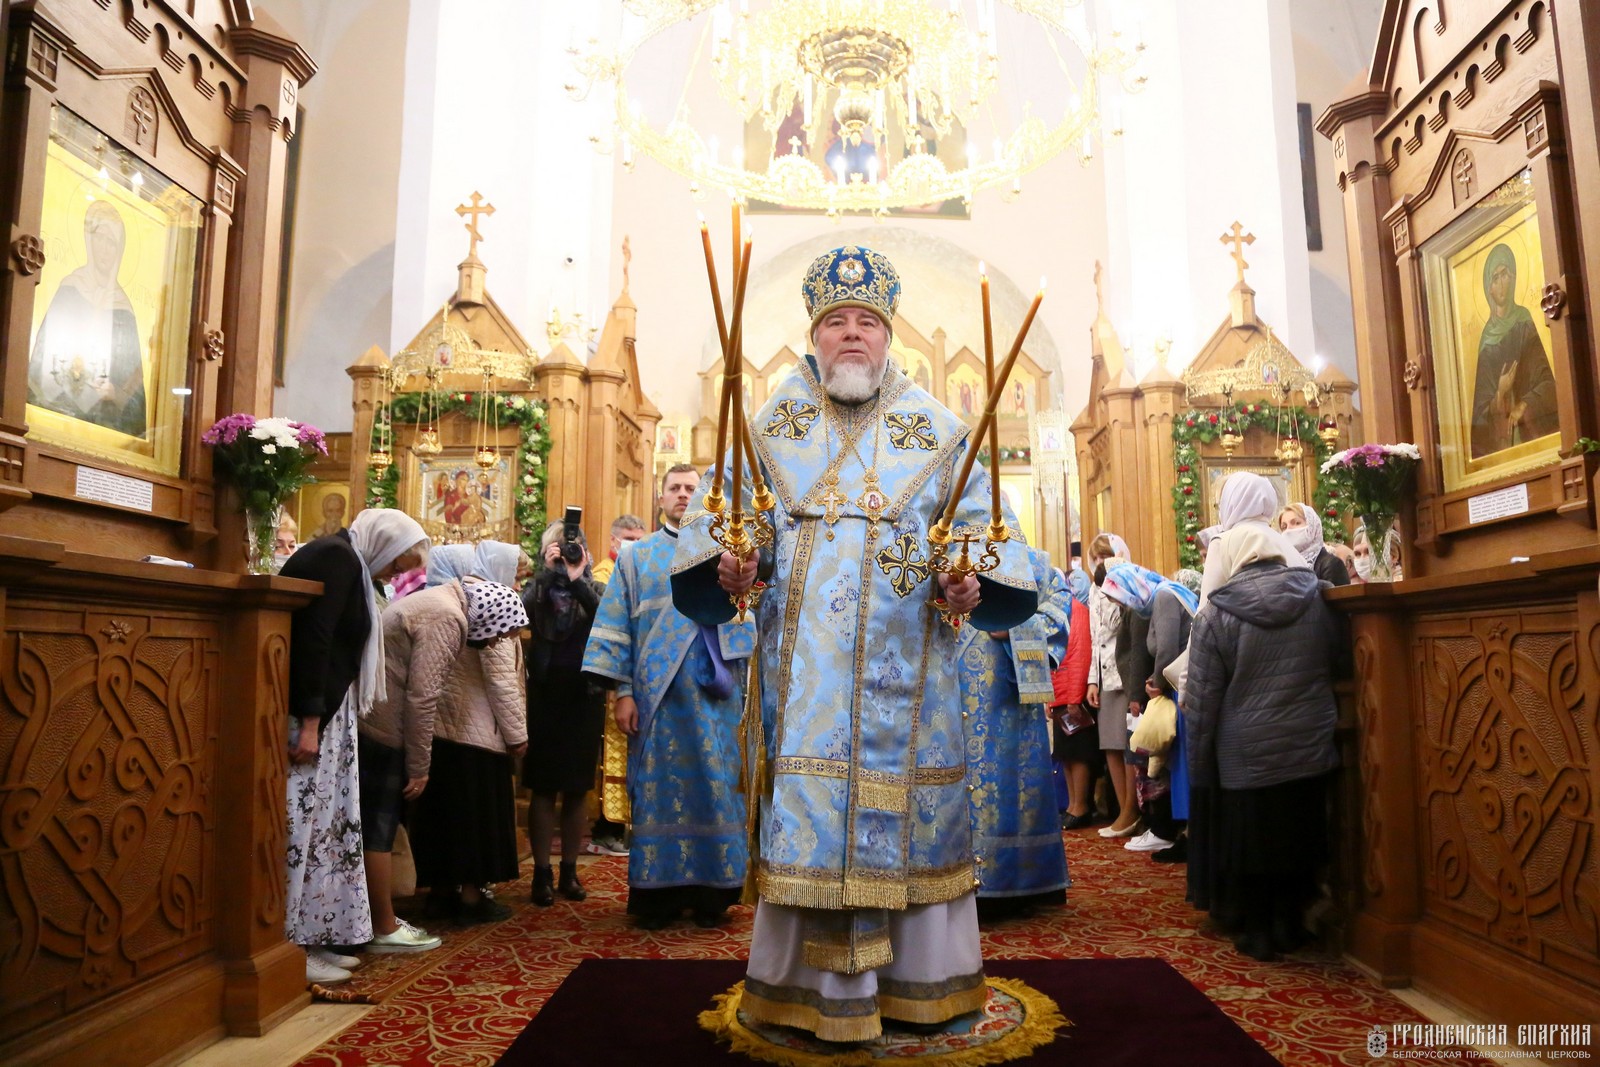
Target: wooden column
[(277, 69), (1391, 888), (561, 382), (1130, 510), (264, 975), (367, 375), (30, 81), (1374, 289), (1163, 398)]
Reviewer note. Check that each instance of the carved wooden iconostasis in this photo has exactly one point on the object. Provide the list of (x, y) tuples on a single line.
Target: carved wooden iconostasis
[(1244, 402), (473, 435), (956, 380), (142, 729), (1470, 169)]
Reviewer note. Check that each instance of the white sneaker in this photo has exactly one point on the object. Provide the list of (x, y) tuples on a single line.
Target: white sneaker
[(406, 938), (1147, 842), (334, 959), (321, 972)]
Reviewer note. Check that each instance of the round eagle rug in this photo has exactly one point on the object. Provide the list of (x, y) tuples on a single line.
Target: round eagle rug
[(1016, 1019)]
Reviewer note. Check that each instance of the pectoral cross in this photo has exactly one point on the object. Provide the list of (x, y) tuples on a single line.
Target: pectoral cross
[(831, 499), (477, 208), (1238, 239)]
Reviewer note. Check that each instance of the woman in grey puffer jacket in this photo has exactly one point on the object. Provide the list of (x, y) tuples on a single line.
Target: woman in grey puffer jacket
[(1259, 716)]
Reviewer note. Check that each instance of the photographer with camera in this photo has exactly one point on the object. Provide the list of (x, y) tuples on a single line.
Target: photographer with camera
[(566, 712)]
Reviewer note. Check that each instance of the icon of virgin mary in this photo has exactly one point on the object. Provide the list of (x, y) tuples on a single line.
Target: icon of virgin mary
[(86, 361)]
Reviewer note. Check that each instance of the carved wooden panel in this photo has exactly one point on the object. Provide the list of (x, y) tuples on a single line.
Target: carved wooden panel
[(1507, 754), (107, 746)]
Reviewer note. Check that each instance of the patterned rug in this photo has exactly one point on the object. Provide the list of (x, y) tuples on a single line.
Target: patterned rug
[(465, 1002)]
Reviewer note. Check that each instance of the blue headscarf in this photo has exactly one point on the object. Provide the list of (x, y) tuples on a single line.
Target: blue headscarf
[(448, 563), (1078, 585), (1135, 588), (496, 561)]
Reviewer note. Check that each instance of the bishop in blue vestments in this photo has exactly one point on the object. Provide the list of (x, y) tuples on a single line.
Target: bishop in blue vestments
[(865, 880)]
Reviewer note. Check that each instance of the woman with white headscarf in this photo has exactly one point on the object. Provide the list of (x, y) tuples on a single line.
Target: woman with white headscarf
[(1259, 716), (1246, 508), (336, 673), (1301, 524)]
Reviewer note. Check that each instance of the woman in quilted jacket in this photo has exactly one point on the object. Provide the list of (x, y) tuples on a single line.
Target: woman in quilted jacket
[(1259, 716), (465, 828)]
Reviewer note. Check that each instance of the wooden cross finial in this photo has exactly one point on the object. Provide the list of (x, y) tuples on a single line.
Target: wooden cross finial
[(1238, 239), (627, 257), (477, 208)]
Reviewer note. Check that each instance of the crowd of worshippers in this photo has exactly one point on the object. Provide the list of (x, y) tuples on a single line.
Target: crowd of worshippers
[(1192, 715)]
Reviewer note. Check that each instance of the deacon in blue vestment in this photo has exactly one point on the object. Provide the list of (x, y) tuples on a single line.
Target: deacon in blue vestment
[(865, 880), (1005, 687), (679, 693)]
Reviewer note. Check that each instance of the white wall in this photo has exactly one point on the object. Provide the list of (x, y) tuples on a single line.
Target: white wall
[(1333, 46), (1211, 140), (341, 271)]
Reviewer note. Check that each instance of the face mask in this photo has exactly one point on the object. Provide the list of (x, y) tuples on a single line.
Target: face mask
[(1364, 567), (1299, 537)]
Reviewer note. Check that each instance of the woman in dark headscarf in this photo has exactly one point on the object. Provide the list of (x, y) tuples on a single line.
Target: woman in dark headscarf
[(1514, 395)]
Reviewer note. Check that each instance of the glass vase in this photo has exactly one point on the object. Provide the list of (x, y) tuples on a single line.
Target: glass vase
[(260, 536), (1383, 541)]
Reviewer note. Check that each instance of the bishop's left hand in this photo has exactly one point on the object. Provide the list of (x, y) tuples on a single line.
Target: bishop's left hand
[(961, 596), (735, 577)]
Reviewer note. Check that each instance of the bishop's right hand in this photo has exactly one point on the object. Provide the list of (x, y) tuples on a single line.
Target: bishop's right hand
[(734, 576)]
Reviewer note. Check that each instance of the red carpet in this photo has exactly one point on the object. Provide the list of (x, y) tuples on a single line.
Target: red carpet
[(468, 1001), (1098, 996)]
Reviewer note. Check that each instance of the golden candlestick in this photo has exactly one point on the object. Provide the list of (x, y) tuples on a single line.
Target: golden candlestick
[(940, 537)]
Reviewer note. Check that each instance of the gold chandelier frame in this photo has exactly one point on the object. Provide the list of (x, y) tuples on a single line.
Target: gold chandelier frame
[(792, 179)]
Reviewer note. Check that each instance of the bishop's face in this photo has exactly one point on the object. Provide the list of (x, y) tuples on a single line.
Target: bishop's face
[(852, 345)]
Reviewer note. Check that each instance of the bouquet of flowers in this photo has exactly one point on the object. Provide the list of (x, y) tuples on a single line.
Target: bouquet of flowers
[(266, 461), (1376, 476)]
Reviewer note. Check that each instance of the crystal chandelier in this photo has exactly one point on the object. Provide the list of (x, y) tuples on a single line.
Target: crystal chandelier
[(875, 84)]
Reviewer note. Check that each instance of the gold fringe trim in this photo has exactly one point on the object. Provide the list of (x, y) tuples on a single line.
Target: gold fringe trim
[(932, 1011), (862, 892), (1041, 1020), (841, 958), (805, 1017)]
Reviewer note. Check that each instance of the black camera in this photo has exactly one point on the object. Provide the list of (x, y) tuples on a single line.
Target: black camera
[(571, 536)]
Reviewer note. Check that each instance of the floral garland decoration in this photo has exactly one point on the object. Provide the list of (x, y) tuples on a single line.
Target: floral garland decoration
[(1196, 426), (533, 450)]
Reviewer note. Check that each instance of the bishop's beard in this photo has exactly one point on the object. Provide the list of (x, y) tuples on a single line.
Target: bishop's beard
[(852, 383)]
